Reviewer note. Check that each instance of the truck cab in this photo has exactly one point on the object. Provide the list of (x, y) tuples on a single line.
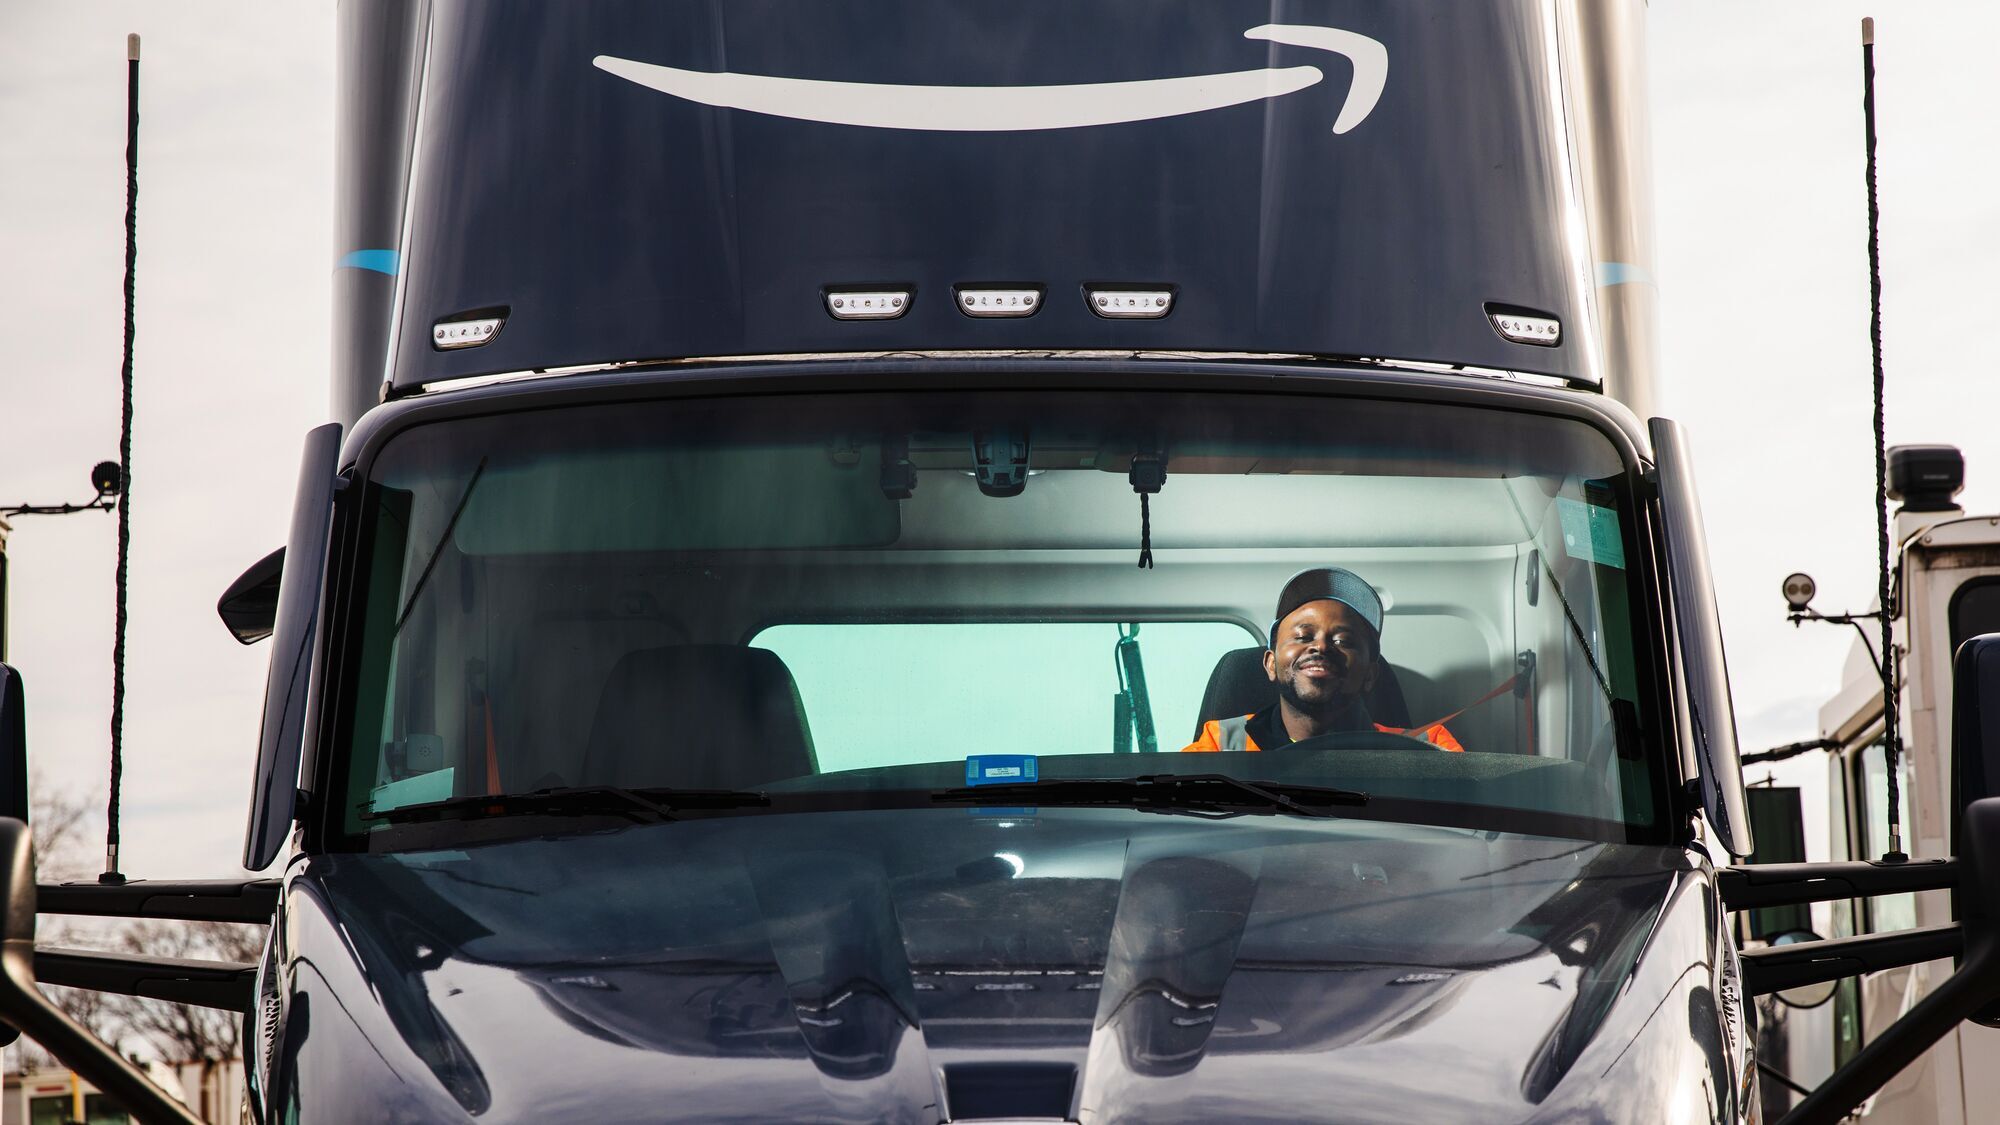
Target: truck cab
[(659, 704), (796, 618), (823, 474)]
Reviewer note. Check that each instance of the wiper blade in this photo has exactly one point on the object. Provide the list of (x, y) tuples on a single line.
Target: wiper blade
[(643, 805), (1164, 792), (437, 552)]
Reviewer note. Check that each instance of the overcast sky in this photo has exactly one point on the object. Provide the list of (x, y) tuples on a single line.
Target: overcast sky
[(1762, 268)]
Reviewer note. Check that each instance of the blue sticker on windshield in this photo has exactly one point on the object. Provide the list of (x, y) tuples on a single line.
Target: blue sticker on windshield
[(999, 769), (1590, 532)]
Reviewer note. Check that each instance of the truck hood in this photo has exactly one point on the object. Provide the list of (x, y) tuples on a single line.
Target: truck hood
[(899, 965)]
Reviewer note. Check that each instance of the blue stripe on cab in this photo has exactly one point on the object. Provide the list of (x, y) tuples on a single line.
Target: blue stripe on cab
[(381, 261), (1623, 273)]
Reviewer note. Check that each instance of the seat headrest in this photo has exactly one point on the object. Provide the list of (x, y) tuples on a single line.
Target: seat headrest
[(698, 717), (1238, 686)]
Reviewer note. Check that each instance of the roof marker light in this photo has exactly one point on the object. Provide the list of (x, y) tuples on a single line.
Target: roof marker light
[(1524, 326), (874, 304), (1130, 304), (998, 302), (467, 329)]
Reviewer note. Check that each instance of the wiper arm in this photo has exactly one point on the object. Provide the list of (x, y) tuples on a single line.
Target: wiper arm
[(644, 805), (1164, 792), (437, 552)]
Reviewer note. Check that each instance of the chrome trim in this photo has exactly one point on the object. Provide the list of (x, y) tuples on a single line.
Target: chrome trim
[(1426, 367)]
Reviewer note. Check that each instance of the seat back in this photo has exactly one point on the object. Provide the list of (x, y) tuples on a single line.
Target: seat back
[(1238, 686), (698, 717)]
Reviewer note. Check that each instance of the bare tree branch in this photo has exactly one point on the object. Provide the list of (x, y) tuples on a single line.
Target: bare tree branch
[(62, 820), (182, 1032), (177, 1033)]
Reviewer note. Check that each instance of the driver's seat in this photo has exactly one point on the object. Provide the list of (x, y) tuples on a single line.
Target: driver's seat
[(1238, 687), (699, 717)]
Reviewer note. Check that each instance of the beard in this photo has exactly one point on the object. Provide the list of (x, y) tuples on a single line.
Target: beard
[(1328, 701)]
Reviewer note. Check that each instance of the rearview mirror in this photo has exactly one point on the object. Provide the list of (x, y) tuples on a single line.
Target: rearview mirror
[(1975, 749), (274, 795), (1711, 714), (249, 608), (13, 746), (1975, 726)]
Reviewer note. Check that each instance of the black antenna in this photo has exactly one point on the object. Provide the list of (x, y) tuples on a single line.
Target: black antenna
[(111, 874), (1891, 737)]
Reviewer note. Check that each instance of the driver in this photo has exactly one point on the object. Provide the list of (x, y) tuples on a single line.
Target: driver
[(1324, 648)]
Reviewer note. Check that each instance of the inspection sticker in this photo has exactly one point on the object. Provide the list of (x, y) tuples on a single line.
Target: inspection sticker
[(1590, 532), (997, 769)]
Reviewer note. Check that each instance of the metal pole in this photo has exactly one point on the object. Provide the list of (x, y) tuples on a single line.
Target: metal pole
[(111, 874), (1892, 739)]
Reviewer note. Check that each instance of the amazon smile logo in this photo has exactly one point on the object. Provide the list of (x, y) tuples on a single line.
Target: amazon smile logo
[(994, 109)]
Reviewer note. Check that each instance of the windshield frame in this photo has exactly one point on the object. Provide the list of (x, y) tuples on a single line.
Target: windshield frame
[(337, 665)]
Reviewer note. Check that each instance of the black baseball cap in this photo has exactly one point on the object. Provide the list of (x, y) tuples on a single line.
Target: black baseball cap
[(1329, 583)]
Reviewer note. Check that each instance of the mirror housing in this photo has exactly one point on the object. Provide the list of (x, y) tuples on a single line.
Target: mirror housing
[(1975, 748), (1704, 670), (1975, 726), (274, 792), (13, 746), (249, 608)]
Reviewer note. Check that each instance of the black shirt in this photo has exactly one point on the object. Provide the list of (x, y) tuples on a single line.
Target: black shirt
[(1266, 728)]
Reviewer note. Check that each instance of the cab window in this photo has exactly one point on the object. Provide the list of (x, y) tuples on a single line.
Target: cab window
[(847, 595)]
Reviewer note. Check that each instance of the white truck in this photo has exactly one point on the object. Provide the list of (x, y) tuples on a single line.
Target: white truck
[(1945, 591)]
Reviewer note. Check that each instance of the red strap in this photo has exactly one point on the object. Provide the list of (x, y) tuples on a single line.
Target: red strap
[(1494, 694)]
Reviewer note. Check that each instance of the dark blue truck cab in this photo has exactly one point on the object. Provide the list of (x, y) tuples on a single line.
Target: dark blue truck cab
[(806, 470)]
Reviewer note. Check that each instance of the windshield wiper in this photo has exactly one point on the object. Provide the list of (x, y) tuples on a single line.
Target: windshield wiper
[(644, 805), (437, 552), (1164, 792)]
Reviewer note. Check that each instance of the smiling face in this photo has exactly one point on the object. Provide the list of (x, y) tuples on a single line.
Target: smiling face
[(1324, 661)]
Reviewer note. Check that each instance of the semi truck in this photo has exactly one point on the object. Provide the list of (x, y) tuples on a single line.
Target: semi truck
[(802, 472), (1945, 574)]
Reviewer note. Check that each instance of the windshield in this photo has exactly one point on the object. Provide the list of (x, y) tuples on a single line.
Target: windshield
[(838, 601)]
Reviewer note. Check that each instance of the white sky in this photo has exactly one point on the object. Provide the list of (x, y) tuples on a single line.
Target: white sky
[(1761, 225)]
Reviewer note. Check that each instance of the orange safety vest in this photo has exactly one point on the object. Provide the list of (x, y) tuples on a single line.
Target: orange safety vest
[(1234, 734)]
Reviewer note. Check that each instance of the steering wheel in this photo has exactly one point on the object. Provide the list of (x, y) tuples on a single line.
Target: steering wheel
[(1362, 740)]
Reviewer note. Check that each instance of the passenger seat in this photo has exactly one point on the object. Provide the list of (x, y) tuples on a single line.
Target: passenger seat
[(698, 717)]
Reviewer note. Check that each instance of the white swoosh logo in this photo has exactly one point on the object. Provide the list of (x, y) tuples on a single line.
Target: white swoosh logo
[(986, 109)]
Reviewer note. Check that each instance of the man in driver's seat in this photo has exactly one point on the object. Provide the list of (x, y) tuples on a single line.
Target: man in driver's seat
[(1323, 654)]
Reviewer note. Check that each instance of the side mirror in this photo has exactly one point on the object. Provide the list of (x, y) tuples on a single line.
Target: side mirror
[(13, 746), (1975, 726), (1711, 713), (274, 793), (1975, 750), (249, 608)]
